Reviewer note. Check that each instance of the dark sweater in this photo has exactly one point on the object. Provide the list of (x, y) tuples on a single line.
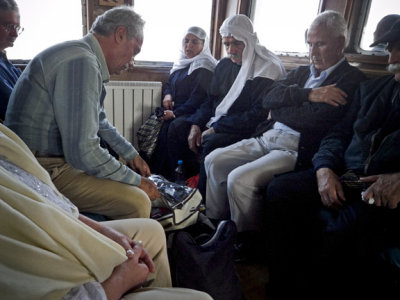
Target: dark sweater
[(368, 139), (245, 113), (9, 75), (188, 91), (288, 102)]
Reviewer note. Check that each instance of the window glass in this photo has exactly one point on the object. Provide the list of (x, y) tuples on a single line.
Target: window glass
[(46, 22), (377, 11), (166, 22), (281, 25)]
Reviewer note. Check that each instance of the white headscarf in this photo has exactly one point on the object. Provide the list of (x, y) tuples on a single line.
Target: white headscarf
[(203, 60), (257, 61)]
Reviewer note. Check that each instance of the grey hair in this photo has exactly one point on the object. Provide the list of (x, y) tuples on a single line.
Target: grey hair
[(333, 22), (108, 22), (8, 5)]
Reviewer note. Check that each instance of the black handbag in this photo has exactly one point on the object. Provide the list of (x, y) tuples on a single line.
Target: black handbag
[(206, 266)]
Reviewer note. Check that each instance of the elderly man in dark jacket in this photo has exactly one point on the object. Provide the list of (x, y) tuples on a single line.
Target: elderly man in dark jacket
[(339, 219), (303, 107)]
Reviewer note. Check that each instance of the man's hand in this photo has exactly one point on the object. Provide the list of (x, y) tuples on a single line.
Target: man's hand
[(167, 102), (385, 189), (140, 166), (168, 115), (120, 239), (206, 132), (150, 188), (194, 138), (131, 274), (329, 94), (330, 188)]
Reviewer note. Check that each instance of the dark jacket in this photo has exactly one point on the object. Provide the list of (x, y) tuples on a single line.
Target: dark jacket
[(188, 91), (9, 75), (368, 139), (245, 113), (289, 104)]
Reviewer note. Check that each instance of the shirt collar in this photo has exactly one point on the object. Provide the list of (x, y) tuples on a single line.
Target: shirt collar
[(94, 44), (327, 72)]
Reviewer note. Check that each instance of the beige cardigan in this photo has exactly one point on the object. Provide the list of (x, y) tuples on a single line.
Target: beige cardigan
[(44, 251)]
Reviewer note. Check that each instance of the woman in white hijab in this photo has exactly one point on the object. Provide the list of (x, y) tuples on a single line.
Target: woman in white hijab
[(185, 91)]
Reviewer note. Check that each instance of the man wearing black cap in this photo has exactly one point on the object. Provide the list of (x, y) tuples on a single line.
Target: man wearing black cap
[(340, 221), (381, 28)]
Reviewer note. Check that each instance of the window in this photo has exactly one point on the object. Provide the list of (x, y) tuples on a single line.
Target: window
[(281, 25), (378, 9), (46, 23), (166, 22)]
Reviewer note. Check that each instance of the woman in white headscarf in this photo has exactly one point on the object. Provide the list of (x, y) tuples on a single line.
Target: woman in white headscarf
[(185, 91)]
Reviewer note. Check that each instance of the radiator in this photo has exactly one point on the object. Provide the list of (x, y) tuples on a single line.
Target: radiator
[(128, 104)]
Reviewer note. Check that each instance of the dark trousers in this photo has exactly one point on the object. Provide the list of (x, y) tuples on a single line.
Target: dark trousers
[(319, 250), (178, 148), (166, 154)]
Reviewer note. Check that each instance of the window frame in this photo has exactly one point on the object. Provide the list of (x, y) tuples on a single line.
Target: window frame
[(354, 11), (373, 65)]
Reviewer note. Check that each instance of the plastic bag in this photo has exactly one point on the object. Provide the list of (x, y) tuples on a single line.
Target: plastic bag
[(178, 206)]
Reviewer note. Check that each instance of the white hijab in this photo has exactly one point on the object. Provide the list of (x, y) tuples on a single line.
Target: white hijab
[(203, 60), (257, 61)]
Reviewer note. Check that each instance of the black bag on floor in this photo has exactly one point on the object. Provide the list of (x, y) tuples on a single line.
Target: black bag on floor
[(206, 266)]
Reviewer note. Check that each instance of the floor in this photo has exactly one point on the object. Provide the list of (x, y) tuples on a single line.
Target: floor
[(253, 278)]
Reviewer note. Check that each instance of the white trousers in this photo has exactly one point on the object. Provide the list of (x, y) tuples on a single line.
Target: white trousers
[(237, 176)]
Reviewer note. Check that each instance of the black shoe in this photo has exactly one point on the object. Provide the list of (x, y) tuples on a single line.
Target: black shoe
[(247, 246)]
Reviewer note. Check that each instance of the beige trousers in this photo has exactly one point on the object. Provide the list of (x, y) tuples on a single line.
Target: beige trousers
[(152, 235), (113, 199)]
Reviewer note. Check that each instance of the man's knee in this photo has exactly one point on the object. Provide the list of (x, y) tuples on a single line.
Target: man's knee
[(134, 203), (178, 129), (212, 160), (233, 181), (209, 143), (276, 188)]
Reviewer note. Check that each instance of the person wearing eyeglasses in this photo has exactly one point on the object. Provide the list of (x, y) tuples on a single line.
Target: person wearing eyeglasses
[(9, 31)]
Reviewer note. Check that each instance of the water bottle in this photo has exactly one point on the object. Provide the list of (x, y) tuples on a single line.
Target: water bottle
[(180, 177)]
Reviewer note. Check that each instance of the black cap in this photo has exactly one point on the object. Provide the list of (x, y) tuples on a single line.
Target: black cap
[(392, 35)]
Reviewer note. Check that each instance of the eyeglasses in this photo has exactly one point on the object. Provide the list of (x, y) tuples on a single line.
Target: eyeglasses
[(8, 27)]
